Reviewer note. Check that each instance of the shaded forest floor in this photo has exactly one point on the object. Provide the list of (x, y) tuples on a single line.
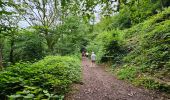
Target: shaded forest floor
[(97, 84)]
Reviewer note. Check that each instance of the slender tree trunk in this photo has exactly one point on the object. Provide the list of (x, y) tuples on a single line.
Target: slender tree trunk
[(1, 65), (118, 5), (11, 52), (162, 5), (139, 16), (1, 45), (50, 44)]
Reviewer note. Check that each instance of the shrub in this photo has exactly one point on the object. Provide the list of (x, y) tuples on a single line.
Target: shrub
[(53, 74), (106, 44), (127, 72), (151, 83)]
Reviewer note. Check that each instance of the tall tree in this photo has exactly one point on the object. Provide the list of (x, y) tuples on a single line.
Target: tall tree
[(1, 65), (3, 27), (42, 13)]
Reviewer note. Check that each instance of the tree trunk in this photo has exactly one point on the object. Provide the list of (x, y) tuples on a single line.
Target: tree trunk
[(139, 17), (11, 52), (1, 65), (118, 6), (50, 44), (162, 5)]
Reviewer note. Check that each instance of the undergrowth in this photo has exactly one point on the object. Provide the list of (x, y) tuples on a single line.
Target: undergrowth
[(148, 46), (140, 54), (48, 78)]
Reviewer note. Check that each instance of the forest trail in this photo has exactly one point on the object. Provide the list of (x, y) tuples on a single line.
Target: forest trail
[(101, 85)]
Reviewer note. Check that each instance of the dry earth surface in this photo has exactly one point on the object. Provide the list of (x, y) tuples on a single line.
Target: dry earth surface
[(98, 84)]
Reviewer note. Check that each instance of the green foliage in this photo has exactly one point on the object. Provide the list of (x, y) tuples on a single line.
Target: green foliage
[(99, 43), (151, 48), (121, 20), (142, 49), (138, 11), (63, 32), (27, 46), (36, 93), (151, 83), (32, 47), (146, 82), (74, 36), (127, 72), (148, 48), (133, 12), (106, 44), (53, 74)]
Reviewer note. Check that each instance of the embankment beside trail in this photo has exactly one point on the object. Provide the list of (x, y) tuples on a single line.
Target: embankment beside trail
[(140, 54)]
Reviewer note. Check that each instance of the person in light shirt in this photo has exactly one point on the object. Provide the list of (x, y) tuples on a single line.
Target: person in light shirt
[(93, 59), (87, 54)]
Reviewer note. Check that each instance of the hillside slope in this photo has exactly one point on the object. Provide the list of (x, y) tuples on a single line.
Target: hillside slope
[(140, 54)]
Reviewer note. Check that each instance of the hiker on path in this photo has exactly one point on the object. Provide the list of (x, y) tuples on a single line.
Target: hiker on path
[(93, 59), (83, 54), (87, 54)]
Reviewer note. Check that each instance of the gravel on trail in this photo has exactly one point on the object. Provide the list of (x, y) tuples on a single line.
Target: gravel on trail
[(98, 84)]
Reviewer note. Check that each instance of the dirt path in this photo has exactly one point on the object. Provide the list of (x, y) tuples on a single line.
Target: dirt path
[(100, 85)]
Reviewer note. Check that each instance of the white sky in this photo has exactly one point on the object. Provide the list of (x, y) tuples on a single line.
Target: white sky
[(23, 24)]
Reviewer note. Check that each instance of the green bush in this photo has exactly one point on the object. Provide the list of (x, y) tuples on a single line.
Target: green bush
[(127, 72), (53, 74), (151, 83), (106, 44), (146, 82), (27, 46)]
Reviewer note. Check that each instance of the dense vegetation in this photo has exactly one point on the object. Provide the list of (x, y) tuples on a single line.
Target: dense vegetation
[(148, 53), (140, 52), (40, 44), (46, 79), (41, 41)]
